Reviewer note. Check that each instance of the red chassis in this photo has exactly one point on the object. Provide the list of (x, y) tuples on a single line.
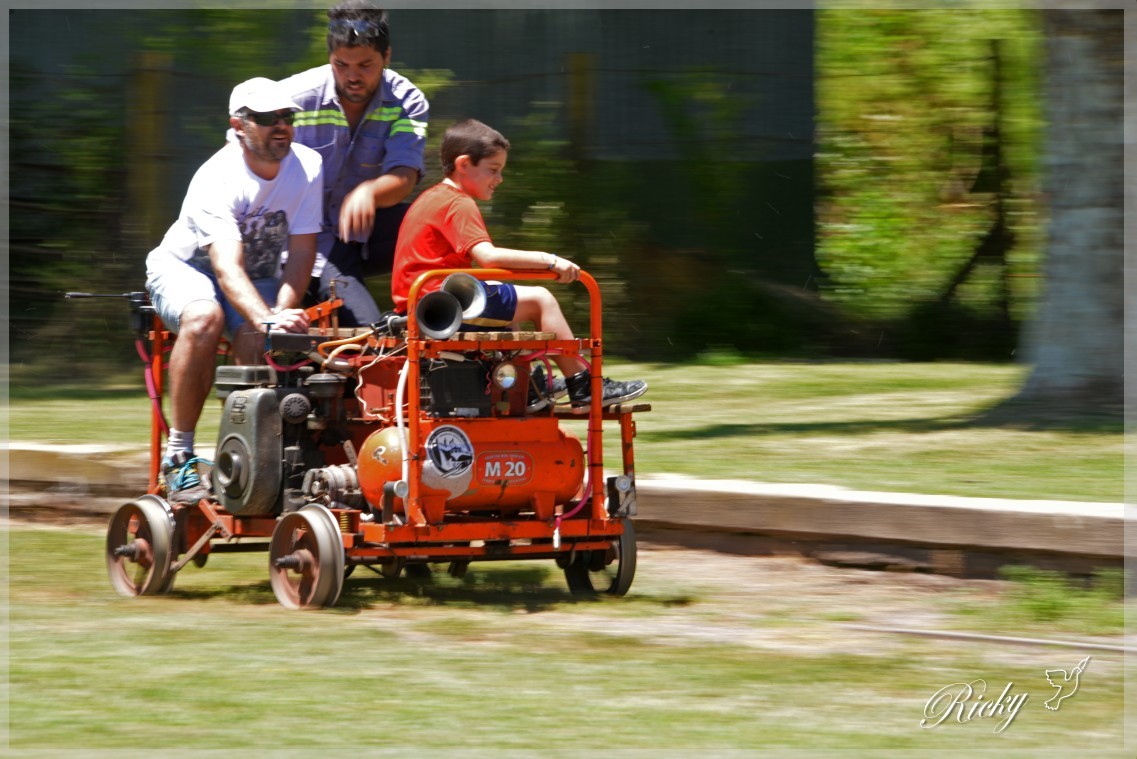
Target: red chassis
[(395, 446)]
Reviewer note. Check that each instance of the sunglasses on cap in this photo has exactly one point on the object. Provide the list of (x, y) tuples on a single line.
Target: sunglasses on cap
[(270, 119), (361, 28)]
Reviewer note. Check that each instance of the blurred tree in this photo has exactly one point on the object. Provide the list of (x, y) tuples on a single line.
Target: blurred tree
[(928, 142), (1076, 339)]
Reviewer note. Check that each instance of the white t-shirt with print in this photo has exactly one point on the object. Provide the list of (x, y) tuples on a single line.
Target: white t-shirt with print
[(227, 201)]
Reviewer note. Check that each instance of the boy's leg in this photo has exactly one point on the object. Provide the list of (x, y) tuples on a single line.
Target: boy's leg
[(537, 305)]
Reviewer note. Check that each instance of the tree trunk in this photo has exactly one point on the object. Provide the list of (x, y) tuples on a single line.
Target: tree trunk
[(1075, 340)]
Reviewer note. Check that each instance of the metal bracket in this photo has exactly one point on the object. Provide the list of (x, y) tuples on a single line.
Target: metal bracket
[(216, 526), (621, 496), (213, 528)]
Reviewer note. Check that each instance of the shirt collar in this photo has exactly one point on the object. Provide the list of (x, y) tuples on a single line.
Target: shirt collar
[(386, 94)]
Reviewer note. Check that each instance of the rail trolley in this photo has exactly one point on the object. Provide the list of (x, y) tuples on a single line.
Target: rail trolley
[(398, 446)]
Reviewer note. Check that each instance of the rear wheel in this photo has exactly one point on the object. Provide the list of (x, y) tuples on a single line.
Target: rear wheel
[(608, 571)]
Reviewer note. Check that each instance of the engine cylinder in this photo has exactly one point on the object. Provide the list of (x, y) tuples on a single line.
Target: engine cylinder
[(247, 473)]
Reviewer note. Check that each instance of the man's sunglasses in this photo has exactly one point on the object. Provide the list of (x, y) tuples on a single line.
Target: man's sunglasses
[(270, 119), (362, 29)]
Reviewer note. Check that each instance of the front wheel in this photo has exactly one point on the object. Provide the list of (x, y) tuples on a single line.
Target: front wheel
[(306, 559), (140, 540), (608, 571)]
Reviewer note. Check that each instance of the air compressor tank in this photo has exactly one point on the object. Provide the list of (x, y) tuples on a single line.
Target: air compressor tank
[(480, 464)]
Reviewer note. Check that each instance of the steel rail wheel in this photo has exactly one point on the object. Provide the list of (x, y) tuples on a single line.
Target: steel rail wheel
[(610, 571), (140, 540), (306, 559)]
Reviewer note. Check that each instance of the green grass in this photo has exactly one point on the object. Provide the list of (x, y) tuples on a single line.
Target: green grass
[(872, 426), (504, 659), (1038, 602), (920, 428)]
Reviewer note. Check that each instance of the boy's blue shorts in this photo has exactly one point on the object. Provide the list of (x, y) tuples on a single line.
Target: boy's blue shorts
[(501, 306)]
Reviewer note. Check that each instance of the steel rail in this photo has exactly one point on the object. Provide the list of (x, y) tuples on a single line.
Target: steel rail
[(983, 638)]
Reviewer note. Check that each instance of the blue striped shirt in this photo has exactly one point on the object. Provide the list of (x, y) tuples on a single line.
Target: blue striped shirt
[(392, 133)]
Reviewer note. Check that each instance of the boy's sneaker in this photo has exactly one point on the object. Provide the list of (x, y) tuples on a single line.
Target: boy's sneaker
[(540, 393), (580, 391), (182, 478)]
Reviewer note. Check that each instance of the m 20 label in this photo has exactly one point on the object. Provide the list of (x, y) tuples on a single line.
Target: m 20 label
[(511, 467)]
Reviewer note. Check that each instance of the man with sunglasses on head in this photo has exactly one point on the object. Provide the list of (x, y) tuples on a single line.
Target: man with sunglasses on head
[(369, 125), (237, 260)]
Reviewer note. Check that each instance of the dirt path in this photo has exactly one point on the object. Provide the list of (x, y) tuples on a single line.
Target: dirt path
[(690, 595)]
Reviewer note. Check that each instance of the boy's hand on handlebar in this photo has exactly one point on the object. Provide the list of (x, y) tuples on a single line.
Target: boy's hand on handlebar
[(566, 270)]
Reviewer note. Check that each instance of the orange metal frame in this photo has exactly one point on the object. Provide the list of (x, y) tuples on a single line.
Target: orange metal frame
[(417, 348), (427, 535)]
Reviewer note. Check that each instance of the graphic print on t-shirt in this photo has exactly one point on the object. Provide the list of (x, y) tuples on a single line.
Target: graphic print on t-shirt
[(265, 236)]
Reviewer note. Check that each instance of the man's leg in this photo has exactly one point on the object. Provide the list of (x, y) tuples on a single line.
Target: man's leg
[(348, 267), (343, 267), (191, 378), (191, 362), (186, 300)]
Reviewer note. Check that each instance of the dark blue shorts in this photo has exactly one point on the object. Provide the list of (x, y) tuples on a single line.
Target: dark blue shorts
[(501, 306)]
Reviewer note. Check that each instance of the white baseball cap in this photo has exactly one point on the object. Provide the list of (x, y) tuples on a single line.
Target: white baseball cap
[(260, 95)]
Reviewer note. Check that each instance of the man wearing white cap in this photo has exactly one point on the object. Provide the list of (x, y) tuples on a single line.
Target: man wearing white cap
[(237, 260)]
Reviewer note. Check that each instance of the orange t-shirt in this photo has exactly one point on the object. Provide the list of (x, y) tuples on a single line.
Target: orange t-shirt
[(439, 230)]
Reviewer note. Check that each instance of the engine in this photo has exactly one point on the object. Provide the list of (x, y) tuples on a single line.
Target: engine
[(336, 438)]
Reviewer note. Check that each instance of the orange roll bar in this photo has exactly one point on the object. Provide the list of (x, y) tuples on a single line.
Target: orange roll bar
[(595, 414)]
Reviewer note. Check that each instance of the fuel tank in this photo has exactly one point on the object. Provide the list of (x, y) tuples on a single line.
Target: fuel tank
[(480, 464)]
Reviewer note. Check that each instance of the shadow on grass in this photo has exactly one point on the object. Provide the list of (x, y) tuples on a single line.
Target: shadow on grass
[(514, 589), (509, 589), (1012, 416)]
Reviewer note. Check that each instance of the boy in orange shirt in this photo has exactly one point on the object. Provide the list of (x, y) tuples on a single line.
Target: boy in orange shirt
[(444, 229)]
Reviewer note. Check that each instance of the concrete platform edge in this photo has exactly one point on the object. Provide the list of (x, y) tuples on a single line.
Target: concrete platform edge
[(817, 511)]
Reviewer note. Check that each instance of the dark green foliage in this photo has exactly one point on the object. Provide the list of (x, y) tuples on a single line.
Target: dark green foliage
[(74, 223), (929, 142), (67, 191), (856, 241)]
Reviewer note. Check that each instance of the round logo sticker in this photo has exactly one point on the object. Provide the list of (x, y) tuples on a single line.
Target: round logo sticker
[(450, 451)]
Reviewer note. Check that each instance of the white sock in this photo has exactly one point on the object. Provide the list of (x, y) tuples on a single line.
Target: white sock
[(179, 441)]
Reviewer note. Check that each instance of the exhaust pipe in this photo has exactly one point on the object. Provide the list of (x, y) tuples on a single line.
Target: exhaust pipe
[(439, 315), (470, 292)]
